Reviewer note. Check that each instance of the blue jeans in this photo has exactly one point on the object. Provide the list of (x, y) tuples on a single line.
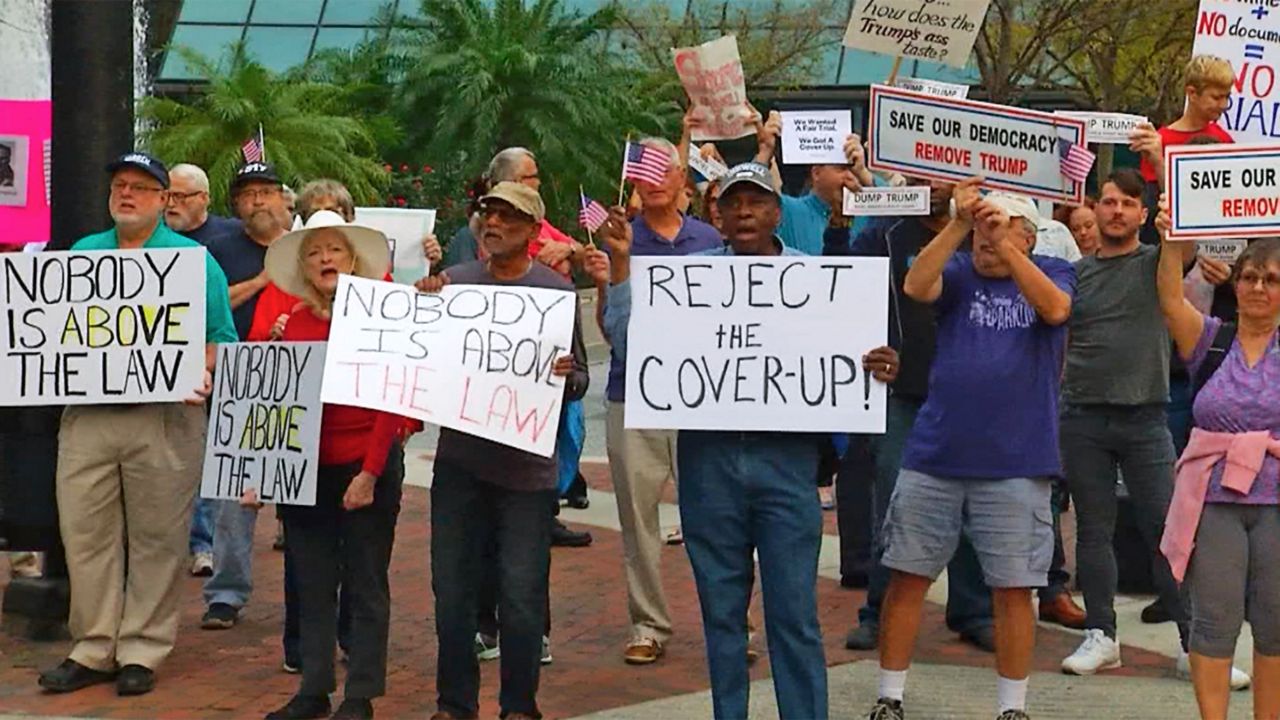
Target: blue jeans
[(1179, 409), (232, 579), (968, 597), (202, 515), (573, 434), (467, 514), (739, 492)]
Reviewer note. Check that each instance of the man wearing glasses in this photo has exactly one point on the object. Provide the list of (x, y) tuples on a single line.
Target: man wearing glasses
[(127, 475), (188, 208), (258, 199)]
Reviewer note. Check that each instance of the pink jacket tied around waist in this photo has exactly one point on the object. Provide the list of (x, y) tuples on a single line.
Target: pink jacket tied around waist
[(1243, 452)]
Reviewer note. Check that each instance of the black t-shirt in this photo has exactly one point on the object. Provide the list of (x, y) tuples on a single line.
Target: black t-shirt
[(214, 227), (241, 258)]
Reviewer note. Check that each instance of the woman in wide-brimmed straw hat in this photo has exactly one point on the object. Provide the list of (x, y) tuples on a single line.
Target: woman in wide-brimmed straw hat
[(346, 537)]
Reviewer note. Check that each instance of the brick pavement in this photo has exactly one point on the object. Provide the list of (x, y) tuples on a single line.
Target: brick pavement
[(236, 673)]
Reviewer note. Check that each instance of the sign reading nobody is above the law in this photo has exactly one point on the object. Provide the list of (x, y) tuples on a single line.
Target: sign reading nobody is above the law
[(756, 343), (86, 328)]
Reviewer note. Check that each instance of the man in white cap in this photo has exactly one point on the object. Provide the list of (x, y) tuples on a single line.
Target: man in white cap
[(983, 449)]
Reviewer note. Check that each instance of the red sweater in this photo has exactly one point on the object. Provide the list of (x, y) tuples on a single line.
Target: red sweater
[(347, 434)]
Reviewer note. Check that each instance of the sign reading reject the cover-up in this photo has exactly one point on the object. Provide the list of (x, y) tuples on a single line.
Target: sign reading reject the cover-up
[(952, 139)]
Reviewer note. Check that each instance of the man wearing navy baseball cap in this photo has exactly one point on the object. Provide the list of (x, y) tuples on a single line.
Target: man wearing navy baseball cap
[(140, 462)]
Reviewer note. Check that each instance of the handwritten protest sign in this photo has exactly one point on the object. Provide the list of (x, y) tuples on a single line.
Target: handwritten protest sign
[(815, 137), (710, 168), (264, 424), (939, 30), (405, 228), (933, 87), (756, 343), (474, 358), (1223, 191), (951, 139), (712, 76), (1106, 128), (913, 200), (1222, 250), (1247, 33), (86, 328)]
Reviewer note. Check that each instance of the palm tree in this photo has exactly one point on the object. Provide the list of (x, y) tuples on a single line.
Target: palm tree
[(490, 74), (307, 136)]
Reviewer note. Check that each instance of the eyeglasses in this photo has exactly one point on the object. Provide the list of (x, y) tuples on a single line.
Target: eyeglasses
[(1250, 278), (177, 197), (255, 193), (120, 186)]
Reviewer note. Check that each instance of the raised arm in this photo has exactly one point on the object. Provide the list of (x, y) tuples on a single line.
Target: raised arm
[(1051, 303), (924, 280), (1184, 321)]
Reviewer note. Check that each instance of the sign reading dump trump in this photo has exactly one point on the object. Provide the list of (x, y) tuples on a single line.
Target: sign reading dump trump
[(264, 423), (1223, 191), (756, 343), (473, 358), (952, 139), (87, 328)]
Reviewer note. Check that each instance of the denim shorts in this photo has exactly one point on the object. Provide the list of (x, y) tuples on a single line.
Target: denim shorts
[(1008, 521)]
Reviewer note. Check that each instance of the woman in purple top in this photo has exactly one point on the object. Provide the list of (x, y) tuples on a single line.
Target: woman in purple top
[(1232, 572)]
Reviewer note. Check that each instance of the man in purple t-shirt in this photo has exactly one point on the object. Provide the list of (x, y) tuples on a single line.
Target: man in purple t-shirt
[(642, 462)]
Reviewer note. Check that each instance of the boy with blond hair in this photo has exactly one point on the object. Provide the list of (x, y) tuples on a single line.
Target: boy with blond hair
[(1207, 83)]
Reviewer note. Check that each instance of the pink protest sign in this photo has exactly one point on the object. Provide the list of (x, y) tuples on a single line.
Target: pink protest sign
[(712, 75), (25, 130)]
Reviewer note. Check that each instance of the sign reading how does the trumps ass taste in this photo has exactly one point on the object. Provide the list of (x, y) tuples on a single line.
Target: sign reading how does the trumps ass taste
[(756, 343), (264, 425), (87, 328), (939, 30), (473, 358)]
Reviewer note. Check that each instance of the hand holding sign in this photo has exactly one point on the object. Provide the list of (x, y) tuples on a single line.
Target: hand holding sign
[(431, 248), (1215, 272), (1145, 141), (202, 393), (967, 197), (432, 284), (882, 363)]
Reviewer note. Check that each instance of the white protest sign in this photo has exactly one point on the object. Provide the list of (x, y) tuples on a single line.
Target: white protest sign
[(1106, 128), (949, 139), (1223, 191), (1222, 250), (405, 228), (712, 76), (87, 328), (264, 423), (710, 168), (942, 31), (474, 358), (1246, 33), (815, 137), (756, 343), (933, 87), (910, 200)]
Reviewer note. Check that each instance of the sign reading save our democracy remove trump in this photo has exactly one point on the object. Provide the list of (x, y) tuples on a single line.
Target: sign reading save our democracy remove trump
[(952, 139), (1223, 191)]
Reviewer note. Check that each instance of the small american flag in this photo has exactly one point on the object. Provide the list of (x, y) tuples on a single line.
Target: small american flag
[(592, 215), (1075, 160), (252, 148), (644, 163)]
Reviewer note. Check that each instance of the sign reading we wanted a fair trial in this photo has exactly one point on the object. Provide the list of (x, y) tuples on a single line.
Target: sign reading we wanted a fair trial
[(756, 343), (1223, 191), (952, 139), (264, 424), (87, 328), (473, 358)]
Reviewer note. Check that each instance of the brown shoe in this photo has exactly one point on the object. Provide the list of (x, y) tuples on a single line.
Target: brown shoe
[(642, 651), (1063, 610)]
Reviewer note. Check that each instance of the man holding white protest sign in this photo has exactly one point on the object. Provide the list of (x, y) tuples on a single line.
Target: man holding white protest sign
[(490, 493), (745, 490), (981, 453), (139, 461)]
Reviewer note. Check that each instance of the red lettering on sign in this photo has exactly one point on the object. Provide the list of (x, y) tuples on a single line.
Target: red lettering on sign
[(943, 154)]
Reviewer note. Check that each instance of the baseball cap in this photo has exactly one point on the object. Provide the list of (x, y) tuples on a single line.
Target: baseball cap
[(261, 171), (748, 172), (1014, 205), (143, 162), (520, 196)]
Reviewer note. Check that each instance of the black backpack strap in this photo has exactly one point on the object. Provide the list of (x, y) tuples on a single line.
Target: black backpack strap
[(1213, 360)]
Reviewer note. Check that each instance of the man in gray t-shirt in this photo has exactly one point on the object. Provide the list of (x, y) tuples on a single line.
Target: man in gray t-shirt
[(1114, 392)]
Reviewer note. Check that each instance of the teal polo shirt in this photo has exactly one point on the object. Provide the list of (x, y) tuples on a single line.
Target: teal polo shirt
[(218, 326), (804, 220)]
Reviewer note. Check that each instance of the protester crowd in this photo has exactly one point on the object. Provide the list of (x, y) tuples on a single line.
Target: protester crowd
[(1033, 363)]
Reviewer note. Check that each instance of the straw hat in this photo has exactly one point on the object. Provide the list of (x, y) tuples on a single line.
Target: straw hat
[(284, 266)]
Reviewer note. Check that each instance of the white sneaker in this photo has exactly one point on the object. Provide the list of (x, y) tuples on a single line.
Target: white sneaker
[(1097, 652), (202, 564), (487, 648), (1240, 679), (546, 650)]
